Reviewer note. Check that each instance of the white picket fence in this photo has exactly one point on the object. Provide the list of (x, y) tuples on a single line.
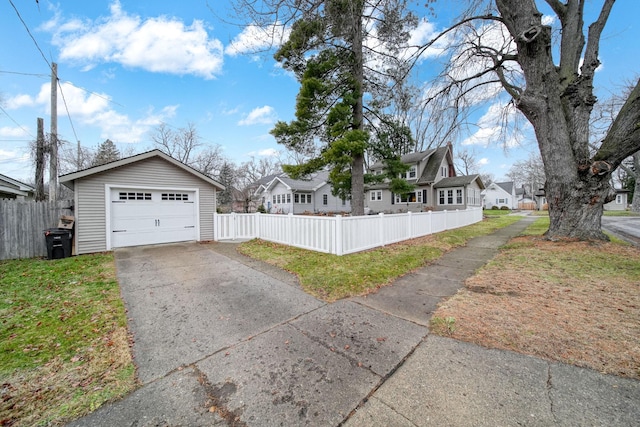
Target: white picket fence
[(340, 235)]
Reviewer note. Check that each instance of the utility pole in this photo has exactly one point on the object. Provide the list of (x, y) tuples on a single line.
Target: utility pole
[(53, 143), (40, 161)]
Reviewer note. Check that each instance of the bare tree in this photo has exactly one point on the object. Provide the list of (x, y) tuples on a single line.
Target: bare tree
[(507, 46), (466, 162), (528, 173), (181, 144)]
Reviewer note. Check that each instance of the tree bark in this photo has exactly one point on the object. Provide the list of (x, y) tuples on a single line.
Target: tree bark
[(557, 101), (635, 202)]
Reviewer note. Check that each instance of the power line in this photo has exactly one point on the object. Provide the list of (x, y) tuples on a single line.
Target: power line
[(23, 74), (67, 109), (17, 124), (29, 32)]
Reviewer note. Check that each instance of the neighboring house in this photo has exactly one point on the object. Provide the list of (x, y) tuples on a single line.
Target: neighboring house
[(501, 194), (541, 200), (525, 200), (312, 195), (148, 198), (436, 185), (620, 202), (14, 189)]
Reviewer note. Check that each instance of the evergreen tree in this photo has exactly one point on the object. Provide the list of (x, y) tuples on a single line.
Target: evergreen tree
[(107, 152)]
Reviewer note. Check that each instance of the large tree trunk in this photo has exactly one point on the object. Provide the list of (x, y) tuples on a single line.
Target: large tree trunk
[(635, 202), (357, 164), (558, 100)]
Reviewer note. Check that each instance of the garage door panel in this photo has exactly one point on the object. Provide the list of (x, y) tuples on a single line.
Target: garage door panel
[(145, 217)]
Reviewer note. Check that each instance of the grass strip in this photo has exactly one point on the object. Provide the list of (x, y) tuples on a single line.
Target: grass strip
[(332, 277), (64, 344), (569, 301)]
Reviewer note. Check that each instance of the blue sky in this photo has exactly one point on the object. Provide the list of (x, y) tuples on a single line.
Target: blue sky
[(127, 66)]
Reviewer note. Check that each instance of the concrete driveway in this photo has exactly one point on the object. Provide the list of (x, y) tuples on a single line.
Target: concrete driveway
[(240, 343)]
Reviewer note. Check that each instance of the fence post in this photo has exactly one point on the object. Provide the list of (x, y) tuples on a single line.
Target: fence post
[(409, 225), (430, 222), (289, 228), (256, 225), (381, 228), (338, 236), (446, 225), (216, 227)]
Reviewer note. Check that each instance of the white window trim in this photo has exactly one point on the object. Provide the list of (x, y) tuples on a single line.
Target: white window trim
[(454, 196)]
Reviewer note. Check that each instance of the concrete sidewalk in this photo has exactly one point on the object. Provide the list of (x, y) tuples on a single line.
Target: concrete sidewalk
[(280, 357)]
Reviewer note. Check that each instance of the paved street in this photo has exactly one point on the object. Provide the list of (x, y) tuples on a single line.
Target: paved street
[(626, 227)]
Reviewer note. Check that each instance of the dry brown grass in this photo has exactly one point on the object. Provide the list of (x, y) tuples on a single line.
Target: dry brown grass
[(572, 302)]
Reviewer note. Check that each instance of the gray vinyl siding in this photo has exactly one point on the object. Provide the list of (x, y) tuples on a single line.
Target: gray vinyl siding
[(334, 204), (153, 172)]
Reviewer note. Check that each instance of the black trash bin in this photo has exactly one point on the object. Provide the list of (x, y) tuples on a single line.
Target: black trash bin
[(58, 242)]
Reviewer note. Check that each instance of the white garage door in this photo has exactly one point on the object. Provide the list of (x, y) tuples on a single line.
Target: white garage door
[(147, 217)]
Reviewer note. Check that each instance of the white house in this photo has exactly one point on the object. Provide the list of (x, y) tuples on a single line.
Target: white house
[(437, 187), (500, 194), (311, 195)]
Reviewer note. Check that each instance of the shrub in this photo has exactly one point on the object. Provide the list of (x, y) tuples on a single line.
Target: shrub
[(495, 208), (504, 208)]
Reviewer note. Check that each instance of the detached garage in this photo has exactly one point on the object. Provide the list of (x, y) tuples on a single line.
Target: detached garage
[(145, 199)]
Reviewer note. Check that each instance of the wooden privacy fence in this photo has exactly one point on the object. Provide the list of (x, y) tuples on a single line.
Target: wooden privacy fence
[(340, 235), (22, 225)]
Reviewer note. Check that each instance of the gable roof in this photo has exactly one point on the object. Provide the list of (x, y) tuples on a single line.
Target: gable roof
[(506, 186), (408, 158), (315, 181), (459, 181), (430, 172), (69, 179), (9, 185)]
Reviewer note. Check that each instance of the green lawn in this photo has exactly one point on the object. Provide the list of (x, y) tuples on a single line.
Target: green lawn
[(64, 346), (332, 277)]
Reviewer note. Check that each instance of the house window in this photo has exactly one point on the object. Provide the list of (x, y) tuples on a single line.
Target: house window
[(344, 202), (325, 199), (289, 198), (375, 195), (302, 198), (619, 199), (502, 201), (444, 171), (446, 197), (278, 198), (473, 197), (413, 197), (412, 172), (274, 199)]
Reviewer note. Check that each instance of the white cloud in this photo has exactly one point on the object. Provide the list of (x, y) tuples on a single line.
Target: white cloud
[(483, 161), (93, 109), (13, 132), (259, 116), (255, 38), (20, 101), (548, 19), (268, 152), (492, 127), (161, 44)]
